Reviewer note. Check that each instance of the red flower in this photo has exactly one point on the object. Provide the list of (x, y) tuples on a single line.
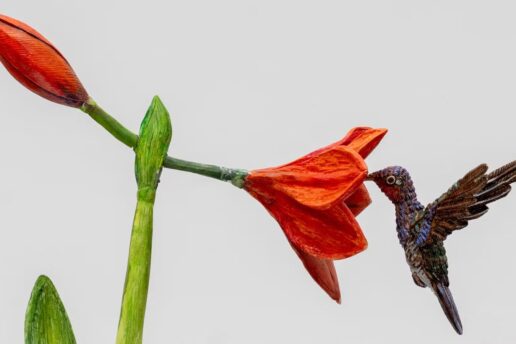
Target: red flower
[(315, 200), (38, 65)]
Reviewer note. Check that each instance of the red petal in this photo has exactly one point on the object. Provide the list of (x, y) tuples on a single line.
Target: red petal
[(22, 26), (363, 139), (331, 233), (359, 200), (322, 271), (315, 181), (38, 65)]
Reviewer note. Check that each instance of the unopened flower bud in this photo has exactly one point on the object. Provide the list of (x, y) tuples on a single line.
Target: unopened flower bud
[(38, 65)]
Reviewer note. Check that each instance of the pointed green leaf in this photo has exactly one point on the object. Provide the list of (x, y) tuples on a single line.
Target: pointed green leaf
[(46, 321), (155, 136)]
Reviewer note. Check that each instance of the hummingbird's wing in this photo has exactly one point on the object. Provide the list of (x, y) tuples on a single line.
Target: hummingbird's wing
[(467, 199)]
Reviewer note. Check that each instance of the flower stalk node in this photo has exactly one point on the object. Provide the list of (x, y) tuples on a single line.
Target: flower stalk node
[(146, 194), (238, 178)]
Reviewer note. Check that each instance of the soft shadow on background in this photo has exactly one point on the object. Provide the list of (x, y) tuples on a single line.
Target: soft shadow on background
[(255, 84)]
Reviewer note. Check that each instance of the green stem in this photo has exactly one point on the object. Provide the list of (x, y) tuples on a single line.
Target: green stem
[(130, 139), (130, 328), (235, 176), (109, 123)]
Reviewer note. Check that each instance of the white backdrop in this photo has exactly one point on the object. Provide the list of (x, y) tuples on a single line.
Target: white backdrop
[(254, 84)]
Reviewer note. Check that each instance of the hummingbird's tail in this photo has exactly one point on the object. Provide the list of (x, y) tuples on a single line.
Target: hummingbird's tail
[(448, 305)]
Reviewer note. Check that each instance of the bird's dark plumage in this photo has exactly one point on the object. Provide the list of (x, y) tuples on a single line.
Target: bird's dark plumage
[(448, 305), (468, 199), (422, 230)]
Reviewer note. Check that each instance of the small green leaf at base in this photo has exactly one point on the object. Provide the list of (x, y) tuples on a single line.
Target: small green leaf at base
[(46, 321)]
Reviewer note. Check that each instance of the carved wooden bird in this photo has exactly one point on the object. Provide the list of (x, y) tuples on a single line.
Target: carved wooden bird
[(422, 230)]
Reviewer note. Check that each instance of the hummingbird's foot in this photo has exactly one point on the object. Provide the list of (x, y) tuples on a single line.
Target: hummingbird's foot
[(418, 281)]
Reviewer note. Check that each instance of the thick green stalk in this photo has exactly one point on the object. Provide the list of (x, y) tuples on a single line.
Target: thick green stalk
[(130, 328), (155, 136), (127, 137)]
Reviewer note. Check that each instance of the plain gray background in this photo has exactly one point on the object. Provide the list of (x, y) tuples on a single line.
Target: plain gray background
[(254, 84)]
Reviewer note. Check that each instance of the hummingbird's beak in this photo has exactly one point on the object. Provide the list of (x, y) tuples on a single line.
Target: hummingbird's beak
[(372, 176)]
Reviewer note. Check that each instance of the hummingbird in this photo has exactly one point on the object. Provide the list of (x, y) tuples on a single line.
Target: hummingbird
[(422, 230)]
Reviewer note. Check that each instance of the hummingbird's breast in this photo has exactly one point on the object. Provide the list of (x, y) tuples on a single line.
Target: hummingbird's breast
[(415, 258), (413, 253), (408, 227), (427, 262)]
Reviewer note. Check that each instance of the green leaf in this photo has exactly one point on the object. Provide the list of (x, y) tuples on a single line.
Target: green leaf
[(46, 321), (155, 136)]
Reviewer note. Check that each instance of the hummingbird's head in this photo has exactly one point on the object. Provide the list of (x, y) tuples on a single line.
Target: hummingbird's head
[(395, 183)]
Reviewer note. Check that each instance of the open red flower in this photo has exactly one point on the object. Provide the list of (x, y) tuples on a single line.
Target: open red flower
[(38, 65), (315, 200)]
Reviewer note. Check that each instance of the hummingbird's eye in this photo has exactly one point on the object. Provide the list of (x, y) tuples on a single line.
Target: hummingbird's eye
[(390, 180)]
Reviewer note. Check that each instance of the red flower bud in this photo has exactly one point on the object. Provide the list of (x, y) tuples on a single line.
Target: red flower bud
[(315, 200), (38, 65)]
